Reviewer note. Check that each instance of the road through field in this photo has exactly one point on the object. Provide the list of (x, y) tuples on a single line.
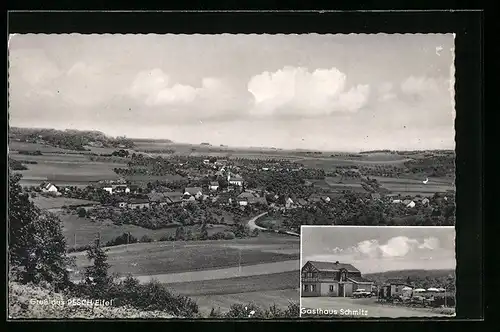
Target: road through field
[(243, 271)]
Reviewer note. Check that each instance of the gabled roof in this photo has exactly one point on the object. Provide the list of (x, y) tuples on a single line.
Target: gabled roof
[(214, 183), (235, 178), (255, 200), (357, 279), (138, 201), (246, 194), (332, 266), (193, 190)]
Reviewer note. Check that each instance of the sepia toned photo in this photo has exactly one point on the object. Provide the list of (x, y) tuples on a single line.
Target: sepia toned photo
[(172, 176), (377, 272)]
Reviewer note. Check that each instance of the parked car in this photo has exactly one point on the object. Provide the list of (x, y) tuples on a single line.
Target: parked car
[(361, 293)]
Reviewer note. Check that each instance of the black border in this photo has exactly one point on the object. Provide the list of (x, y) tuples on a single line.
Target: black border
[(468, 27)]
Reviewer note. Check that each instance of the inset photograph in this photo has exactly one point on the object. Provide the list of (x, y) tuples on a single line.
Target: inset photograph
[(377, 272)]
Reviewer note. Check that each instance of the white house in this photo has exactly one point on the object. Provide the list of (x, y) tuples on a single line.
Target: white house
[(242, 202), (289, 203), (396, 201), (235, 180), (411, 204), (48, 187), (425, 201), (214, 186), (108, 189)]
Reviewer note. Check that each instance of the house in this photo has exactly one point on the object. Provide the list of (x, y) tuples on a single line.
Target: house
[(289, 204), (122, 188), (235, 180), (214, 186), (138, 203), (195, 192), (302, 202), (265, 168), (331, 279), (242, 201), (375, 196), (48, 187), (411, 204), (394, 287), (327, 199), (246, 194), (396, 201), (257, 200), (158, 199), (406, 201), (425, 201)]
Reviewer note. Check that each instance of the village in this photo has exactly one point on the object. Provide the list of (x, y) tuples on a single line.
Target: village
[(289, 192)]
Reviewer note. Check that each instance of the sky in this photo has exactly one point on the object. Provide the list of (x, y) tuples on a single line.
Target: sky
[(380, 249), (324, 92)]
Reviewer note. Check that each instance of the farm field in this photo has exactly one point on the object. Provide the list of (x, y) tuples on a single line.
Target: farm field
[(58, 202), (162, 257), (265, 282), (176, 259), (329, 164), (373, 309), (22, 146), (65, 169), (87, 230), (263, 299)]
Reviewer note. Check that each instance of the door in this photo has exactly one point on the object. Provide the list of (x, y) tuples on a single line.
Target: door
[(341, 290)]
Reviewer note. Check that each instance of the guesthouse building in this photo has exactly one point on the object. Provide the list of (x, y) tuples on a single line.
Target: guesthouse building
[(332, 279)]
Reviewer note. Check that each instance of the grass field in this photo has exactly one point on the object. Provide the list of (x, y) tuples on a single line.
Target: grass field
[(265, 282), (62, 169), (172, 257), (58, 202), (21, 146), (263, 299), (175, 259), (87, 230)]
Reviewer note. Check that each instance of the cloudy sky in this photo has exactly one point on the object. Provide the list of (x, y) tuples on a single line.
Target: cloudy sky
[(326, 92), (379, 249)]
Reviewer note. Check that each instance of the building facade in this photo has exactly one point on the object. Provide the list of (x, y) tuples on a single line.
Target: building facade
[(331, 279)]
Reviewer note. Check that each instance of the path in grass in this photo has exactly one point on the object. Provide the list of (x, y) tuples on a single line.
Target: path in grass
[(232, 272)]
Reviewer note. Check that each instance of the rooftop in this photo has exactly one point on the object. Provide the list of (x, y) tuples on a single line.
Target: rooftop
[(332, 266)]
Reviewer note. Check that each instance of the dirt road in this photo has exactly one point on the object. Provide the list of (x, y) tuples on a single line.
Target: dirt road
[(244, 271), (363, 308)]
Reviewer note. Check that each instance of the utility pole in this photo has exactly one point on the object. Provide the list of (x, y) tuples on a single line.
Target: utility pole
[(74, 236), (239, 262)]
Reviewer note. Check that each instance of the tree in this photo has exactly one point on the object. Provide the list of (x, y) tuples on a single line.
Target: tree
[(97, 274), (82, 213), (179, 234), (37, 248), (204, 232)]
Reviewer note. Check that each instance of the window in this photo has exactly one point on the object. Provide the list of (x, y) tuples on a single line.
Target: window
[(309, 274), (305, 288), (314, 275), (331, 288), (313, 288), (303, 275)]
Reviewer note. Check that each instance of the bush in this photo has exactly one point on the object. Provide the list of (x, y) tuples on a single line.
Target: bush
[(229, 235), (82, 213), (145, 238), (125, 238), (152, 296)]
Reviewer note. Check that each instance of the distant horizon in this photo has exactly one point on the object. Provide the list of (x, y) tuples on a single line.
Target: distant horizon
[(324, 92), (225, 145)]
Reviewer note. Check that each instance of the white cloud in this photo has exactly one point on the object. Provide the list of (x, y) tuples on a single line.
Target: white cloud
[(419, 85), (399, 246), (295, 90), (154, 88)]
